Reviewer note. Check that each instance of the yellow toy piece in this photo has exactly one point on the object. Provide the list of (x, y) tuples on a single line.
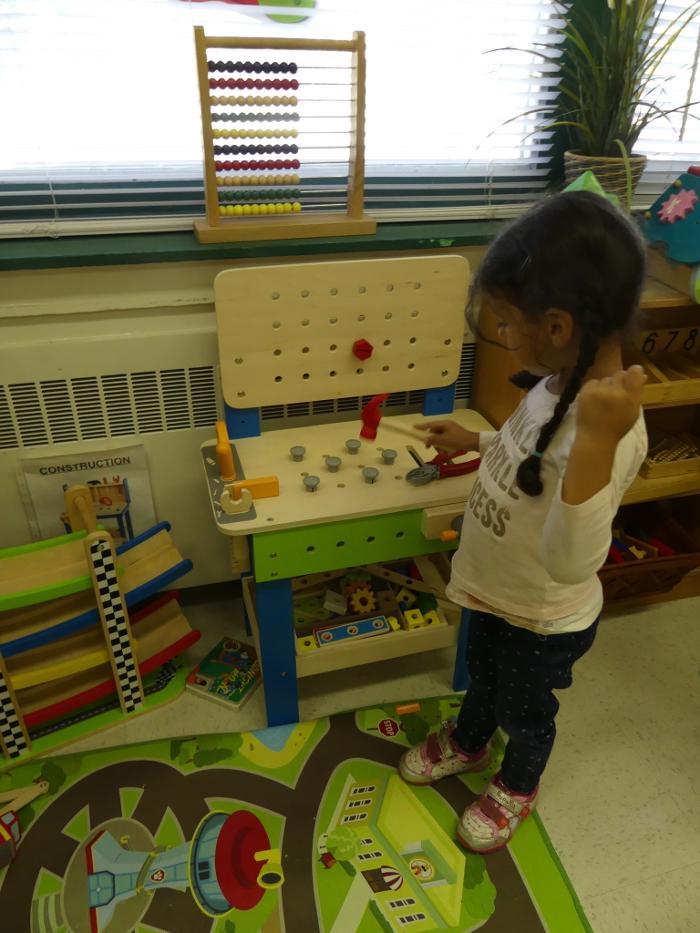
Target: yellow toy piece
[(405, 597), (305, 644), (362, 600), (433, 618), (260, 487), (414, 619), (393, 622)]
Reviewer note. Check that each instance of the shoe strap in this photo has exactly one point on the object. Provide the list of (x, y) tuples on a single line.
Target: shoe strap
[(439, 747), (506, 800)]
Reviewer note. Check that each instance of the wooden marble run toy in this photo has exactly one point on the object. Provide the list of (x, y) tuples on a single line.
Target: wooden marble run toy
[(290, 334), (297, 109), (69, 661), (672, 224)]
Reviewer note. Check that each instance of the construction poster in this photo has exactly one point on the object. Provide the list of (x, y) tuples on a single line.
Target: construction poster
[(118, 480)]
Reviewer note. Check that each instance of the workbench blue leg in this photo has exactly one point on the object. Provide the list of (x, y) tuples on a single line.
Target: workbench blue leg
[(277, 651), (246, 617), (439, 401), (460, 678), (242, 422)]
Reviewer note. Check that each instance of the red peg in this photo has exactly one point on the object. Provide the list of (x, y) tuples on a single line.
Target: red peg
[(362, 349)]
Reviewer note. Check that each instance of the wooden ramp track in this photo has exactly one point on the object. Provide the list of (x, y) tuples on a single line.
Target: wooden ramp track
[(149, 562), (36, 573), (162, 632)]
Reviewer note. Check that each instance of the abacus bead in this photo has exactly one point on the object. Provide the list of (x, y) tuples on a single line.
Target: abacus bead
[(248, 68), (257, 68), (287, 208), (236, 180), (255, 209), (230, 67), (238, 210), (222, 210), (229, 209), (210, 65), (274, 68), (294, 85), (292, 68), (296, 163), (296, 207), (236, 166), (246, 209), (276, 84), (293, 101), (249, 83)]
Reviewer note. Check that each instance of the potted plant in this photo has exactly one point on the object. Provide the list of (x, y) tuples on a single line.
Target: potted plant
[(610, 89)]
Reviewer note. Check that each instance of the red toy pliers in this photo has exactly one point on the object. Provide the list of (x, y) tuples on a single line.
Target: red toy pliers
[(440, 467)]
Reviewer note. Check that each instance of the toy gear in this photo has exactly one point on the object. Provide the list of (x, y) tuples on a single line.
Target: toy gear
[(677, 206), (362, 600)]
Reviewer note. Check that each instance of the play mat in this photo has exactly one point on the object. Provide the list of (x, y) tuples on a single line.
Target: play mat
[(295, 828)]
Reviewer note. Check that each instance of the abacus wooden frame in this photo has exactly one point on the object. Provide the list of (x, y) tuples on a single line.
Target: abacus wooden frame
[(354, 222)]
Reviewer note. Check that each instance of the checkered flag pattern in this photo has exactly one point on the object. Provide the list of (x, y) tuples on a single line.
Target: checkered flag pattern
[(116, 625), (11, 731)]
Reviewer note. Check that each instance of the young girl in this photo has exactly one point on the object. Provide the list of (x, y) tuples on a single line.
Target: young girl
[(564, 283)]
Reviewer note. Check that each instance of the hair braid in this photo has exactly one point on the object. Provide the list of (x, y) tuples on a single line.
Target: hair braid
[(529, 470)]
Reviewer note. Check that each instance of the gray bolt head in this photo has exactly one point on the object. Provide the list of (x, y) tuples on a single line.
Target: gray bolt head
[(352, 446), (370, 474), (297, 453), (333, 464), (388, 456), (311, 483)]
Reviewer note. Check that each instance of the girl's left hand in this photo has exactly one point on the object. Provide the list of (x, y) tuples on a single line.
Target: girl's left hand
[(610, 407)]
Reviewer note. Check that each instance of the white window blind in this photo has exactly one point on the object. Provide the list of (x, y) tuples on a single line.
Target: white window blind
[(100, 116), (672, 144)]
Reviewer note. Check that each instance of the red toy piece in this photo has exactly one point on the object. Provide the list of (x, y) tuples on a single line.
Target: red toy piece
[(372, 415), (362, 349)]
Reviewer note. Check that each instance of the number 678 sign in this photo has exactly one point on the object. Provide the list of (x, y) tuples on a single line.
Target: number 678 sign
[(673, 340)]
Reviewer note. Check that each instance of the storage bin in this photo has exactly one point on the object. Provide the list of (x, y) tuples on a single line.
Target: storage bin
[(639, 578)]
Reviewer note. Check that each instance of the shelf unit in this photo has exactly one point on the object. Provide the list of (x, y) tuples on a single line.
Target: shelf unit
[(662, 306)]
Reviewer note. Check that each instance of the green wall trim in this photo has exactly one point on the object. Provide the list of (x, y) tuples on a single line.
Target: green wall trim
[(136, 248), (295, 552)]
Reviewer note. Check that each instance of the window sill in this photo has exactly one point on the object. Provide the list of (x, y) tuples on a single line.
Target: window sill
[(126, 249)]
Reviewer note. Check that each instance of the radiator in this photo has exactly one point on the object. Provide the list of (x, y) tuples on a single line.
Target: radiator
[(80, 383)]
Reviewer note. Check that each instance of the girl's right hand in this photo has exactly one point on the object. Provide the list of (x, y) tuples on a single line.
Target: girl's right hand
[(448, 435)]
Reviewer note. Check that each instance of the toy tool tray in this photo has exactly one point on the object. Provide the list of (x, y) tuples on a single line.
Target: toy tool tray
[(342, 494)]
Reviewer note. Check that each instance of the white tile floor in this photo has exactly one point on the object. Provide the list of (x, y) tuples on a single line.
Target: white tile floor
[(621, 800)]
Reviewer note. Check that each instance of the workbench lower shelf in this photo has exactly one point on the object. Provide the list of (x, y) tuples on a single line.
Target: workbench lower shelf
[(356, 652)]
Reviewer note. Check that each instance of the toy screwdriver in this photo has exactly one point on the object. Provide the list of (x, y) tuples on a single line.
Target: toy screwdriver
[(440, 467)]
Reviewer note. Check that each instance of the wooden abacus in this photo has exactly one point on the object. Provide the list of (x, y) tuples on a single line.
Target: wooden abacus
[(260, 198)]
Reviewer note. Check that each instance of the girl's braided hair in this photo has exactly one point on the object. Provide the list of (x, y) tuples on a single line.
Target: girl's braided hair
[(578, 253)]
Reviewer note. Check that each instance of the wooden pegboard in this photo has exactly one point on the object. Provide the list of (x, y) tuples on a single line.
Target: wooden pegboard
[(286, 333)]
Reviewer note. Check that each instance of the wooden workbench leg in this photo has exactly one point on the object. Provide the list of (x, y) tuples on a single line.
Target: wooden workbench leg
[(439, 401), (242, 422), (277, 650), (460, 678)]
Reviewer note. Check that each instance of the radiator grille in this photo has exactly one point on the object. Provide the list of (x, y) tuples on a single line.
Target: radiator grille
[(59, 411)]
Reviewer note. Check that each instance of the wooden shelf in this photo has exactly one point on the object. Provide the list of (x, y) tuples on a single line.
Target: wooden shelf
[(364, 650), (663, 487)]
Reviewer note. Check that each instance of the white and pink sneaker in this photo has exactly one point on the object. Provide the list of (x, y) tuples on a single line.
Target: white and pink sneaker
[(490, 822), (439, 757)]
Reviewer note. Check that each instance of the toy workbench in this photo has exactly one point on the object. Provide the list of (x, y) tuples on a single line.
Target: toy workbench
[(320, 498)]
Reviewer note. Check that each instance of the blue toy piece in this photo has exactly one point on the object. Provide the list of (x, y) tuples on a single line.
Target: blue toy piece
[(673, 221), (346, 630)]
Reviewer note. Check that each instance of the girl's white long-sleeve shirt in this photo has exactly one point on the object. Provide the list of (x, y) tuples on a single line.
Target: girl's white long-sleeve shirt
[(534, 560)]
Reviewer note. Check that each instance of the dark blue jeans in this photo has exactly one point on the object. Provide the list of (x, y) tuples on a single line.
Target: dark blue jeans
[(513, 673)]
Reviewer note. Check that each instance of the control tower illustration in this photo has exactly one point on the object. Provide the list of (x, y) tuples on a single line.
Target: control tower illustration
[(228, 865)]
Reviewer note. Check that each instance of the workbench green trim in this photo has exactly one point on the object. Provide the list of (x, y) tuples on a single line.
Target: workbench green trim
[(295, 552)]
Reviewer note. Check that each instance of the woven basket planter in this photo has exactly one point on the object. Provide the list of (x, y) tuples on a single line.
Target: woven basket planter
[(610, 172)]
